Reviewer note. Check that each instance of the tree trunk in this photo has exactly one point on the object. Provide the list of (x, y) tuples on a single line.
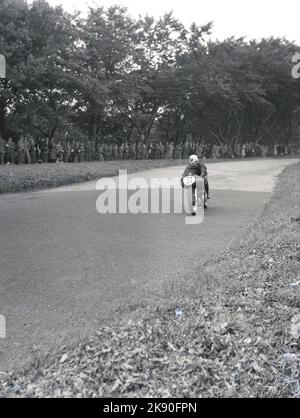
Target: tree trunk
[(2, 119)]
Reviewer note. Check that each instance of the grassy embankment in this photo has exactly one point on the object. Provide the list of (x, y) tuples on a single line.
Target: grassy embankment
[(30, 177), (238, 335)]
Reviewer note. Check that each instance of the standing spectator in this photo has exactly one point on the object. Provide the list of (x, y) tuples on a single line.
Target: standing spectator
[(31, 143), (6, 146), (108, 151), (140, 150), (115, 151), (21, 150), (73, 151), (2, 150), (271, 150), (209, 151), (213, 151), (47, 150), (67, 153), (290, 149), (281, 149), (162, 150), (243, 151), (132, 151), (52, 150), (74, 156), (178, 151), (44, 150), (126, 151), (121, 151), (221, 151), (237, 150), (38, 152), (89, 151), (11, 151), (228, 151), (171, 150), (247, 145), (217, 151), (82, 152), (157, 152), (151, 151), (193, 146), (59, 152), (110, 148), (145, 151), (257, 150), (199, 150), (93, 150), (100, 151), (186, 150), (27, 146), (77, 152), (168, 154), (105, 151)]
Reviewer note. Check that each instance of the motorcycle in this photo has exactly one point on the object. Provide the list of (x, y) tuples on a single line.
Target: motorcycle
[(196, 193)]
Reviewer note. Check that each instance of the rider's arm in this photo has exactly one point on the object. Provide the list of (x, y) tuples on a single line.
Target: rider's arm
[(185, 173), (203, 170)]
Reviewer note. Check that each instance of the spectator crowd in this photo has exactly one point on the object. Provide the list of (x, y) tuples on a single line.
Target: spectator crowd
[(27, 150)]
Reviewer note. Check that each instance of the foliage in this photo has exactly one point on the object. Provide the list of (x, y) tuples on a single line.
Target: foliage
[(110, 74)]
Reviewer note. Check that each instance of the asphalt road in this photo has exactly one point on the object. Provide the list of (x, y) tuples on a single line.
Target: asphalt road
[(65, 269)]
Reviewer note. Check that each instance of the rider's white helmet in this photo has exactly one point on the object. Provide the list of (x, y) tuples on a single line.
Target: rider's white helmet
[(193, 160)]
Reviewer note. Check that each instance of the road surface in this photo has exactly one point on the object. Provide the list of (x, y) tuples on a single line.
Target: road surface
[(65, 269)]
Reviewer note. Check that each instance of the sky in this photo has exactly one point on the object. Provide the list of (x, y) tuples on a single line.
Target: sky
[(250, 18)]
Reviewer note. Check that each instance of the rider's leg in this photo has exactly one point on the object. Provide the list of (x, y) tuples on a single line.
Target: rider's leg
[(194, 194), (206, 185)]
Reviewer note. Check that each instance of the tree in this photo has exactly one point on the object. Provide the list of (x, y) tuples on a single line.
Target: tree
[(37, 41)]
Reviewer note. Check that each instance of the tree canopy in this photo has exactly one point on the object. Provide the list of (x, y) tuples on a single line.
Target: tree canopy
[(109, 74)]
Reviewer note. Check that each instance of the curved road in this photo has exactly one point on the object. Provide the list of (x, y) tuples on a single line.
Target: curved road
[(65, 269)]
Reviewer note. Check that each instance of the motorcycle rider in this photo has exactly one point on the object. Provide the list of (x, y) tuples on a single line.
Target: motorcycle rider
[(196, 168)]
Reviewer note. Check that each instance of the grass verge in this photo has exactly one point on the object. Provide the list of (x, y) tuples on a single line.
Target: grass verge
[(30, 177), (238, 334)]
